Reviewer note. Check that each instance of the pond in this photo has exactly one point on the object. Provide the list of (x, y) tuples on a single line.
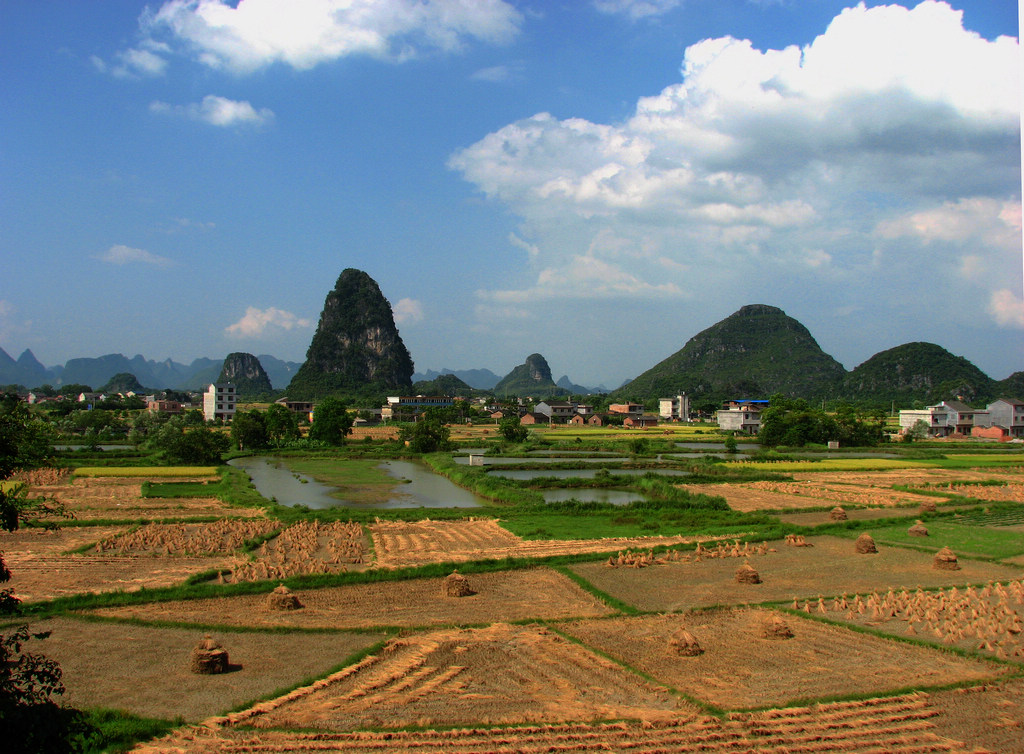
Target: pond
[(525, 474), (535, 460), (716, 445), (592, 495), (415, 487)]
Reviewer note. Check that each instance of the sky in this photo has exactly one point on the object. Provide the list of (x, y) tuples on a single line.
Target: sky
[(593, 180)]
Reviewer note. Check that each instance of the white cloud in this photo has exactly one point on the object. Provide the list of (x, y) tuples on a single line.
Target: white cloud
[(408, 310), (992, 221), (121, 254), (251, 34), (530, 248), (217, 111), (1007, 309), (765, 168), (257, 322), (636, 8), (145, 60)]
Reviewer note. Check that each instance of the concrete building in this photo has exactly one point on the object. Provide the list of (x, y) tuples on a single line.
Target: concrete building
[(946, 418), (675, 409), (406, 407), (558, 412), (629, 409), (741, 416), (1007, 413), (219, 401)]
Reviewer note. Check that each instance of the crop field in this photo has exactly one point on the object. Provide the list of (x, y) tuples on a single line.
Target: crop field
[(399, 543), (741, 668), (539, 594), (829, 566), (640, 644)]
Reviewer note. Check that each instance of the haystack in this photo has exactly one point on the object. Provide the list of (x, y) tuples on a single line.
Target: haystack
[(746, 574), (456, 585), (838, 514), (918, 530), (865, 544), (774, 627), (684, 643), (209, 657), (928, 506), (283, 599), (945, 560)]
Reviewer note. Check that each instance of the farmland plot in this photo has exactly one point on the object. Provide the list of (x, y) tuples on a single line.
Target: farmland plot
[(497, 675), (145, 669), (740, 668), (901, 725), (42, 568), (398, 544), (117, 498), (829, 567), (538, 593)]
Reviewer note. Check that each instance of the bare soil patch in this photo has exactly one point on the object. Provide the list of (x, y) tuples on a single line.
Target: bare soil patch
[(222, 536), (539, 593), (41, 569), (829, 567), (901, 725), (741, 669), (501, 674), (117, 498), (990, 716), (1013, 493), (145, 670), (399, 544)]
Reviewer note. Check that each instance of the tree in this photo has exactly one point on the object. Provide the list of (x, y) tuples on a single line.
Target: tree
[(428, 435), (190, 445), (249, 430), (512, 429), (282, 424), (331, 422)]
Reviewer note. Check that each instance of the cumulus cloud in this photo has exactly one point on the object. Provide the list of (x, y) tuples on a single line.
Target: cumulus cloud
[(258, 322), (249, 35), (121, 255), (408, 310), (895, 127), (146, 60), (499, 74), (1007, 308), (217, 111)]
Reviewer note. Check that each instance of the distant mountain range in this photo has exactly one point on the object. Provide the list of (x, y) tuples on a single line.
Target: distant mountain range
[(155, 375), (755, 352)]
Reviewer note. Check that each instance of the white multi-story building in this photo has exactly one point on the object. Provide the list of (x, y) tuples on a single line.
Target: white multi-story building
[(219, 401), (741, 416), (675, 409)]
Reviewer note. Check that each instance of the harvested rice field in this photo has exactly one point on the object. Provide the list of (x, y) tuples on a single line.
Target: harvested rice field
[(830, 566), (901, 725), (146, 670), (499, 675), (398, 543), (680, 650), (743, 664), (121, 498), (538, 594), (43, 568)]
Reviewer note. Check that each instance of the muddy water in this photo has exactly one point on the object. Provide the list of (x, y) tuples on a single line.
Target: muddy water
[(592, 495), (521, 474), (415, 487)]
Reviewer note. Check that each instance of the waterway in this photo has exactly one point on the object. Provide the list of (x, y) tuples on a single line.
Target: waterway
[(415, 487)]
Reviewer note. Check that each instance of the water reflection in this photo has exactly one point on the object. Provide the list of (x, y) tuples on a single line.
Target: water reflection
[(415, 487)]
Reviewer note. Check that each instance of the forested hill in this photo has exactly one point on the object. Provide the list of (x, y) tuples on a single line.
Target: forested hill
[(755, 352)]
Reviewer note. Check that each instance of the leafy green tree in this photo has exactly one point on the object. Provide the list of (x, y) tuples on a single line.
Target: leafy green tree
[(181, 443), (730, 444), (249, 430), (428, 435), (282, 424), (512, 429), (331, 422)]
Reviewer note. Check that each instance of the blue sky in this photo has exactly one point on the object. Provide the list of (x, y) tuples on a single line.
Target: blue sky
[(594, 181)]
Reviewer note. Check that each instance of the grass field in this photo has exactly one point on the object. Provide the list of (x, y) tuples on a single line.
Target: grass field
[(965, 539), (952, 461)]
